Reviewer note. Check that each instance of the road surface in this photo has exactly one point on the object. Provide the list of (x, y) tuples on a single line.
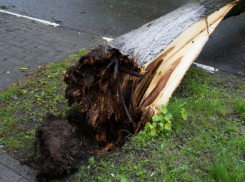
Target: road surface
[(115, 17)]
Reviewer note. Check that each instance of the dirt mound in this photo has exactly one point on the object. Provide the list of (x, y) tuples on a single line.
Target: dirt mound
[(58, 148)]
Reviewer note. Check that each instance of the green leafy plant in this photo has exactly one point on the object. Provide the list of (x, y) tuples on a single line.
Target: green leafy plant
[(23, 91), (163, 121), (91, 160)]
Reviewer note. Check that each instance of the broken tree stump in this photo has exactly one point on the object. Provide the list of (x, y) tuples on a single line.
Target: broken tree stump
[(120, 86)]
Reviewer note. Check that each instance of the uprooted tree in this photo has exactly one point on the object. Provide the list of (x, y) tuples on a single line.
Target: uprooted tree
[(120, 86)]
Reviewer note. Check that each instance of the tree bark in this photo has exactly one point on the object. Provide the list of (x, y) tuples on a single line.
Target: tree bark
[(120, 86)]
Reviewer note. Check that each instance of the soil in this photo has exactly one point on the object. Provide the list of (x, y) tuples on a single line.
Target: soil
[(61, 145)]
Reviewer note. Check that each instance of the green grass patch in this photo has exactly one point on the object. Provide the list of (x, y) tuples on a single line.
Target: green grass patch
[(208, 145), (23, 106)]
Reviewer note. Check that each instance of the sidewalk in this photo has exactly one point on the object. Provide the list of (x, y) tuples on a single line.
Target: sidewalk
[(28, 44), (12, 171)]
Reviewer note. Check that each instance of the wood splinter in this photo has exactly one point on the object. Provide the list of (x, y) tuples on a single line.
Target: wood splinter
[(118, 67)]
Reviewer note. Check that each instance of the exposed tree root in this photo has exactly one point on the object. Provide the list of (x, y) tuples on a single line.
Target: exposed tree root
[(102, 83)]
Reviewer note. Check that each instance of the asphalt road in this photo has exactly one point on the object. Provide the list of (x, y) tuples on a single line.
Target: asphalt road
[(115, 17), (103, 17)]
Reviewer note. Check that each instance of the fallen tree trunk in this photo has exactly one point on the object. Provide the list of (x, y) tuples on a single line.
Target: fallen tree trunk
[(120, 86)]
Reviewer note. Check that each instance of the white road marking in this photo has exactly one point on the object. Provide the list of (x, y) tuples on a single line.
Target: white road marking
[(107, 39), (30, 18), (207, 68)]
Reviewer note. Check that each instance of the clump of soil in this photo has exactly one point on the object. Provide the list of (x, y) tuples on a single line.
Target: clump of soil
[(62, 144), (58, 148)]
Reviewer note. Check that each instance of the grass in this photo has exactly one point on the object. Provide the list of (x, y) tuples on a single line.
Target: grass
[(209, 146), (23, 106)]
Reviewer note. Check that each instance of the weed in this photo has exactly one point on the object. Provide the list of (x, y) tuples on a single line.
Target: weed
[(162, 122), (3, 7), (91, 161), (240, 107), (11, 143), (227, 167)]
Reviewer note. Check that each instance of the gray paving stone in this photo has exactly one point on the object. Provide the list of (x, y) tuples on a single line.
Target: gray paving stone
[(2, 156), (30, 56), (45, 48), (46, 60), (10, 176), (3, 169), (39, 40), (39, 51), (2, 86), (2, 71), (10, 39), (12, 60), (22, 44), (20, 55), (17, 49), (5, 46), (10, 162), (5, 81), (24, 180), (21, 37), (20, 72), (50, 53), (28, 173), (12, 33), (13, 75), (30, 46), (1, 43), (7, 64), (22, 170), (10, 52), (4, 57)]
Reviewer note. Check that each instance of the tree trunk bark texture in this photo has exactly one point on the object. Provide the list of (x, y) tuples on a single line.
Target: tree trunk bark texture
[(121, 85)]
